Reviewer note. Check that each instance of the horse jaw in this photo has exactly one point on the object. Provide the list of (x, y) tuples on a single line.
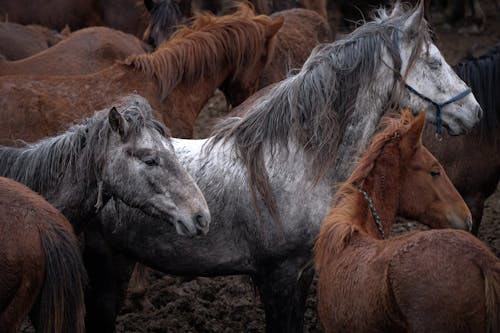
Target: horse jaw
[(434, 78)]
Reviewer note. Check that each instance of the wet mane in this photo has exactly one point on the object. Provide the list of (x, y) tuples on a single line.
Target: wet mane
[(78, 154), (199, 51), (337, 227), (482, 74), (313, 107)]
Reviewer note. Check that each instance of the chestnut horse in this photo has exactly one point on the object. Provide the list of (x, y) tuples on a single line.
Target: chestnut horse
[(302, 30), (42, 270), (84, 51), (177, 79), (428, 281), (18, 41), (473, 161), (126, 15)]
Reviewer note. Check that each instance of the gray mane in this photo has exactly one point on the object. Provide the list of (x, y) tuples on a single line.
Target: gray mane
[(313, 106), (76, 155)]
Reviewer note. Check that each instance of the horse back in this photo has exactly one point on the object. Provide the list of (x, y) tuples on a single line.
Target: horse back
[(442, 272)]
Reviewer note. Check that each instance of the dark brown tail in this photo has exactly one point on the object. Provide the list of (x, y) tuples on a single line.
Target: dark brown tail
[(492, 296), (60, 307)]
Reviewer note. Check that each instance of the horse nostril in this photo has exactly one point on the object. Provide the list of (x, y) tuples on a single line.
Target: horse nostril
[(201, 222)]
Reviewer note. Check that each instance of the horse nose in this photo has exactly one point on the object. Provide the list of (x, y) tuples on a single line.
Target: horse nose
[(479, 112), (202, 222)]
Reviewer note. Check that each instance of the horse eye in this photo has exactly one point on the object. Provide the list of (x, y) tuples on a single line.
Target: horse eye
[(435, 63), (151, 161), (435, 173)]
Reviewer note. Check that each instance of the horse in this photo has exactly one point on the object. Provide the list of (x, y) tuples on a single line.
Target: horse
[(88, 50), (177, 79), (473, 161), (18, 41), (42, 269), (425, 281), (165, 17), (125, 15), (269, 176), (302, 30), (121, 153)]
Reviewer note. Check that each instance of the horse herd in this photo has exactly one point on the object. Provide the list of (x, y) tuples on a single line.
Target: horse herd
[(305, 176)]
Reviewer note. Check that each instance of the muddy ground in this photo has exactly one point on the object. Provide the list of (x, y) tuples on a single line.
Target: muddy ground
[(229, 304)]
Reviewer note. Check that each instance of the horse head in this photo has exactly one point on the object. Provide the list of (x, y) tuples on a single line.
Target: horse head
[(426, 192), (429, 81), (141, 169)]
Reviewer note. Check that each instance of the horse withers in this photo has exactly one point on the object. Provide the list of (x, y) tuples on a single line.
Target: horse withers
[(42, 272), (427, 281)]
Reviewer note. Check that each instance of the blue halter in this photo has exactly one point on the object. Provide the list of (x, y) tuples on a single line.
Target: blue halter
[(439, 106)]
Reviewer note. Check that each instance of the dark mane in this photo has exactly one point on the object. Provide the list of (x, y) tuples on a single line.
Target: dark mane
[(314, 106), (76, 155), (168, 15), (199, 51), (482, 74)]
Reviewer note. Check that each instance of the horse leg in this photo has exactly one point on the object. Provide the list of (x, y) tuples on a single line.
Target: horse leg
[(19, 298), (283, 291), (108, 278)]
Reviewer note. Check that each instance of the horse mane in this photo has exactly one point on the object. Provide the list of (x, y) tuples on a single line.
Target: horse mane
[(482, 74), (168, 13), (337, 229), (195, 52), (315, 105), (77, 154)]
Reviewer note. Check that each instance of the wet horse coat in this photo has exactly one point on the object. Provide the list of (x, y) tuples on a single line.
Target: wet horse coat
[(429, 281), (42, 270), (177, 79), (269, 177)]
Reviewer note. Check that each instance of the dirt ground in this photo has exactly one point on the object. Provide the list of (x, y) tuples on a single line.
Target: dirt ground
[(229, 304)]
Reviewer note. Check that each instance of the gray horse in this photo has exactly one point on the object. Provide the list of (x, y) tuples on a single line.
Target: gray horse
[(270, 175), (122, 154)]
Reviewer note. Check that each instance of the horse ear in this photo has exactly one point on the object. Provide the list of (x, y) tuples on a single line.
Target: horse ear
[(117, 122), (275, 26), (413, 23), (414, 134)]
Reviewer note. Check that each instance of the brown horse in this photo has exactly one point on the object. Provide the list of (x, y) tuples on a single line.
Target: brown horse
[(126, 15), (177, 79), (472, 161), (42, 271), (429, 281), (18, 41), (302, 30), (84, 51)]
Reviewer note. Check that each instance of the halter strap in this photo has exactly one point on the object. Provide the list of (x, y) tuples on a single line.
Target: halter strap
[(438, 106), (375, 215)]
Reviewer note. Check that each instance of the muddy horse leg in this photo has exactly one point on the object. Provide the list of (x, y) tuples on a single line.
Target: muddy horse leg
[(283, 290)]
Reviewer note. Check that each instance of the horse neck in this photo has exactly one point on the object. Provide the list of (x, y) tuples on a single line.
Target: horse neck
[(382, 185), (370, 106), (73, 195)]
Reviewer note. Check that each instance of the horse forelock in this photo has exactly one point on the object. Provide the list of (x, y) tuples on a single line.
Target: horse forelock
[(482, 74), (204, 50), (313, 106), (77, 155)]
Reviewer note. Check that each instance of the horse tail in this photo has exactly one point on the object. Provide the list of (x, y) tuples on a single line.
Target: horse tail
[(492, 298), (60, 306)]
